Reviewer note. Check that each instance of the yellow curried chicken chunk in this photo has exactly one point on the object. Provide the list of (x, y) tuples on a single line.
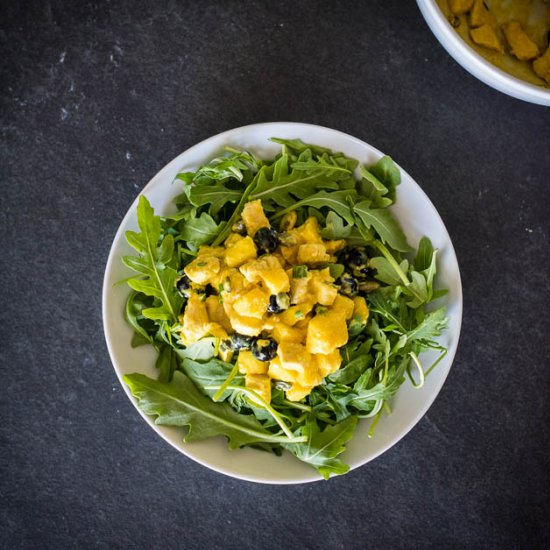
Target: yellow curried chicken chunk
[(486, 36), (345, 305), (253, 217), (459, 7), (240, 252), (248, 364), (259, 383), (284, 333), (195, 323), (297, 392), (520, 44), (308, 232), (326, 332), (202, 268), (312, 253), (328, 363), (277, 372), (293, 356), (252, 304), (479, 14), (217, 314), (323, 288), (541, 66)]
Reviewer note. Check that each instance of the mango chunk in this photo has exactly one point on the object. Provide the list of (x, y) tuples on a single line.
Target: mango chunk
[(334, 246), (360, 310), (202, 268), (296, 313), (248, 364), (252, 304), (253, 217), (240, 252), (250, 326), (486, 36), (260, 383), (520, 44)]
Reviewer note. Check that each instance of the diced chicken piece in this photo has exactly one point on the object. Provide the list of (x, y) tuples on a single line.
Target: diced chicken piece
[(486, 36), (296, 313), (216, 312), (253, 217), (285, 333), (459, 7), (334, 246), (308, 232), (240, 252), (252, 304), (277, 372), (248, 364), (520, 44), (323, 288), (328, 363), (202, 268), (299, 289), (541, 66), (479, 14), (250, 326), (293, 356), (326, 332), (269, 270), (312, 253), (344, 305), (195, 323), (297, 392), (259, 383)]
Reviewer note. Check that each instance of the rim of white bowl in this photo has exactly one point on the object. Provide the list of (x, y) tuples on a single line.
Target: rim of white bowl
[(475, 63), (314, 476)]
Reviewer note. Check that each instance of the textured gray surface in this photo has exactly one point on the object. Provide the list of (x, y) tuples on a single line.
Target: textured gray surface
[(96, 98)]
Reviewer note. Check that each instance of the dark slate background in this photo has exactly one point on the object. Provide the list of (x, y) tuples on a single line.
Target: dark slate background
[(96, 98)]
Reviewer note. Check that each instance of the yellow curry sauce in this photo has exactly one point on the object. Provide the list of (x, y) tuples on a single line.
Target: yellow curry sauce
[(308, 332), (511, 34)]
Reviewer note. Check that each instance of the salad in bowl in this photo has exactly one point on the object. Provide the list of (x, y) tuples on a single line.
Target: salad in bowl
[(283, 303)]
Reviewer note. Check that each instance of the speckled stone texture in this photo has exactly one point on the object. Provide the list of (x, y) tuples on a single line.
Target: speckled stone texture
[(96, 97)]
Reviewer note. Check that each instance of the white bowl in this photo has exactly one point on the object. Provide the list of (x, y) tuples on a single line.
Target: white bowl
[(417, 216), (476, 64)]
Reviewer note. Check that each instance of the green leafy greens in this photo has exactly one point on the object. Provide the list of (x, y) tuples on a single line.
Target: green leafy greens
[(207, 396)]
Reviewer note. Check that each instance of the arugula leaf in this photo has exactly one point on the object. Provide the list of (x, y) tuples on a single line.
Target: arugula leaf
[(180, 403), (430, 327), (166, 363), (201, 230), (214, 195), (387, 172), (209, 374), (424, 255), (351, 372), (384, 224), (322, 447), (297, 146), (336, 201), (335, 228), (204, 349), (385, 272), (278, 186), (155, 265), (418, 289), (144, 328)]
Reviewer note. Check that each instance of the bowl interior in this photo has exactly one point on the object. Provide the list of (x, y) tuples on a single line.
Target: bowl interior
[(417, 216), (475, 63)]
